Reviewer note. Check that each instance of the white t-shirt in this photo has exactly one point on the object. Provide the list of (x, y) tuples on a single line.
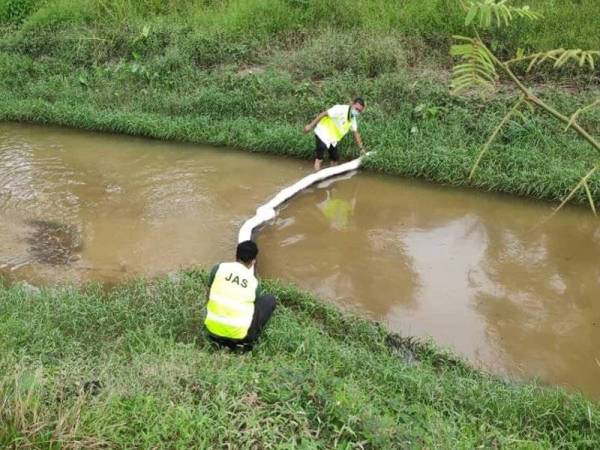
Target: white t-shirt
[(339, 114)]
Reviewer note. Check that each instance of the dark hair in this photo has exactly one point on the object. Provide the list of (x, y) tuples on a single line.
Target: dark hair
[(246, 251), (360, 101)]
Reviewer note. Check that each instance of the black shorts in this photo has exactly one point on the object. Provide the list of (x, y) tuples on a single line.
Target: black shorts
[(320, 150)]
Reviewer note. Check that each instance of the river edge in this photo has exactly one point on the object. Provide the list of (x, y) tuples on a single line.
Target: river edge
[(540, 175), (128, 366)]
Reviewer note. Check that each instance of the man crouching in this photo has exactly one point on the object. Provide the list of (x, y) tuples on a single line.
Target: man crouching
[(236, 311)]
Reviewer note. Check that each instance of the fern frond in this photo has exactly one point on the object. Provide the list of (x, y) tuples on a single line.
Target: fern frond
[(476, 67), (495, 12), (560, 57), (580, 57)]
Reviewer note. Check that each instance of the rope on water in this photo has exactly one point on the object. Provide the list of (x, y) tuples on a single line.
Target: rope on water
[(267, 211)]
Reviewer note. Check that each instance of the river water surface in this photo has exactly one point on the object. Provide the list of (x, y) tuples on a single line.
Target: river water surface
[(479, 273), (124, 206)]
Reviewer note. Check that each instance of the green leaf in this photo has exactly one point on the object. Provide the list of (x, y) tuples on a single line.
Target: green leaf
[(476, 68), (591, 60), (486, 15), (471, 15), (496, 12), (458, 37), (463, 49)]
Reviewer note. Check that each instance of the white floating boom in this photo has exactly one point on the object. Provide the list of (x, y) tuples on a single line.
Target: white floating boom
[(267, 211)]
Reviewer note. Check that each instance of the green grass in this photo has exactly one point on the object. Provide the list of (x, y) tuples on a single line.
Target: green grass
[(130, 368), (566, 22)]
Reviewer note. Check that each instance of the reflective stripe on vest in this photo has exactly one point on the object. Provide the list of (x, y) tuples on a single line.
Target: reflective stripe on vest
[(335, 133), (231, 301)]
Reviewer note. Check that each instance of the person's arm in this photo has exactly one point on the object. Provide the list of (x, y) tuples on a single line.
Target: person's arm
[(314, 123), (359, 142), (211, 277), (259, 289)]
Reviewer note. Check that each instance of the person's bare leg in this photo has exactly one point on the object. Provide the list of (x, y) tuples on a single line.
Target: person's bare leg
[(317, 165)]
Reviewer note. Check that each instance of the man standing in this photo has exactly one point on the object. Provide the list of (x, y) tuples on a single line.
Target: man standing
[(236, 312), (332, 125)]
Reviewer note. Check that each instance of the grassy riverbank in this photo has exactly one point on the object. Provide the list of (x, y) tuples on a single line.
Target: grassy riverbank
[(251, 73), (129, 368)]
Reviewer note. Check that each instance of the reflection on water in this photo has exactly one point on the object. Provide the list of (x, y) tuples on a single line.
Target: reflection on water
[(477, 272)]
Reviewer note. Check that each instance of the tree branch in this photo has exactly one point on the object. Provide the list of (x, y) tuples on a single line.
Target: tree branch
[(579, 111), (529, 96), (582, 182), (495, 133)]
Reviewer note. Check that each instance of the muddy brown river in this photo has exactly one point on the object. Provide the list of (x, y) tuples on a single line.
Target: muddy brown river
[(479, 273), (79, 206)]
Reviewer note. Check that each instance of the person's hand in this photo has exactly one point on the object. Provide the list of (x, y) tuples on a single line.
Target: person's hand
[(307, 128)]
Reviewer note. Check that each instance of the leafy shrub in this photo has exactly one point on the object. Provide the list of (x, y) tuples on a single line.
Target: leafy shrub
[(333, 52), (15, 11)]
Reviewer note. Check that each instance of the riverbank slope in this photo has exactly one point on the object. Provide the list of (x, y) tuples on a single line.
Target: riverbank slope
[(130, 368), (251, 73)]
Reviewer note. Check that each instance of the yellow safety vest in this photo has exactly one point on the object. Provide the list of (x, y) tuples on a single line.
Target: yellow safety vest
[(337, 211), (335, 131), (231, 301)]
